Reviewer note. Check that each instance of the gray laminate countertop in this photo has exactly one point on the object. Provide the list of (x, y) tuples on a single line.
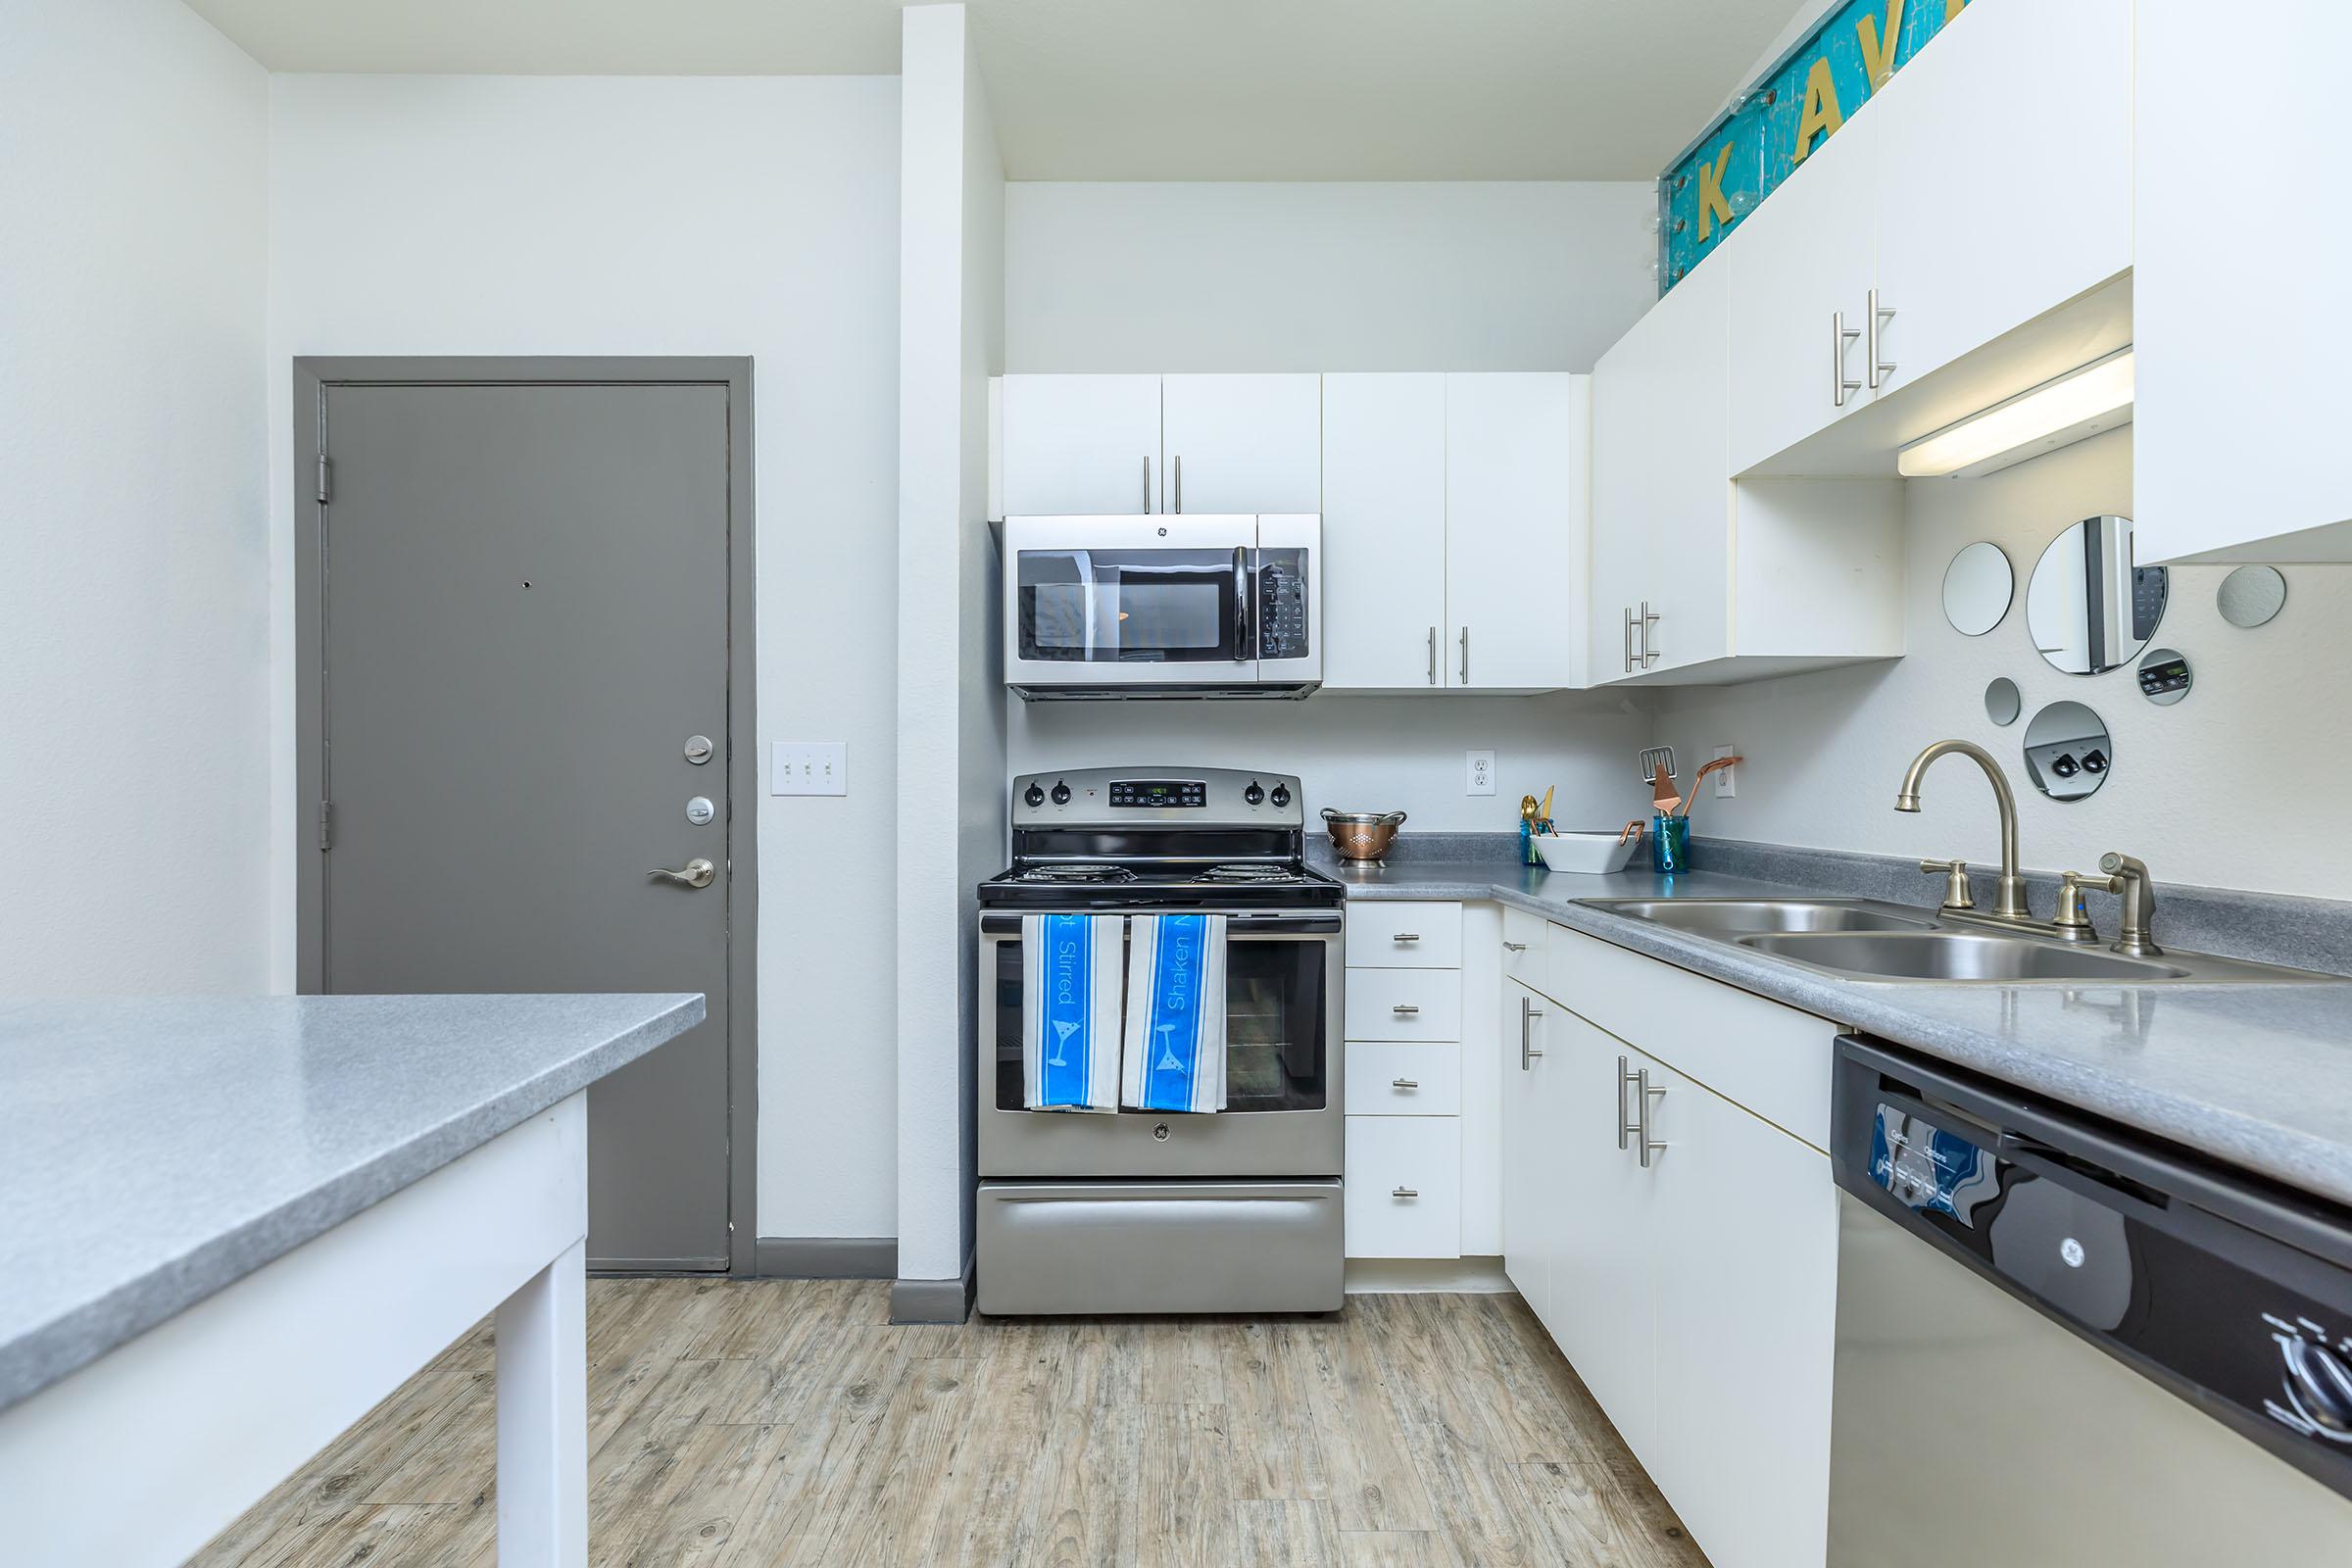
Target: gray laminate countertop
[(2257, 1076), (154, 1151)]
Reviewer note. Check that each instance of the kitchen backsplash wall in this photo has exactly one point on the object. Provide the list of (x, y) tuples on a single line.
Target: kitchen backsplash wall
[(2238, 785), (1365, 754)]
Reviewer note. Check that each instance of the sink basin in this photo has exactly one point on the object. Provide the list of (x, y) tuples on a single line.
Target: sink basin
[(1732, 917), (1955, 956)]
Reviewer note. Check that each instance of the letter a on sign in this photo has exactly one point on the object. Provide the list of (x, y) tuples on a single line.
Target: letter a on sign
[(1713, 207), (1878, 49), (1821, 117)]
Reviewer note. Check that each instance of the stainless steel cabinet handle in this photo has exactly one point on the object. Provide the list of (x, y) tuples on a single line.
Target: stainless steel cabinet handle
[(1405, 1082), (1404, 1010), (1465, 655), (1629, 639), (1839, 336), (1405, 1192), (1529, 1051), (1649, 1146), (1433, 656), (1146, 484), (1649, 618), (1880, 369), (1406, 936), (694, 873), (1176, 479), (1514, 946), (1625, 1129)]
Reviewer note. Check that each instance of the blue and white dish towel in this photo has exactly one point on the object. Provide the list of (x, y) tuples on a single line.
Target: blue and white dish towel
[(1175, 1056), (1070, 1045)]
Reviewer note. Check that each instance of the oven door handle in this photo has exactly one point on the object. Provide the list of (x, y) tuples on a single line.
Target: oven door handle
[(1253, 923)]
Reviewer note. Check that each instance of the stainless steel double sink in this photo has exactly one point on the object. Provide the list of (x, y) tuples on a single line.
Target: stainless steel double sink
[(1866, 939)]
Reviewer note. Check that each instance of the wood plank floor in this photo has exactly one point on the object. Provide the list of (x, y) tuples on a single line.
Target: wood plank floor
[(787, 1423)]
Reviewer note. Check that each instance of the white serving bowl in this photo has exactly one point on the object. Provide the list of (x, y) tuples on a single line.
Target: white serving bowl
[(1585, 852)]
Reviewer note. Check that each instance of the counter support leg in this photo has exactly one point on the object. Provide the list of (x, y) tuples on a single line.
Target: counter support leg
[(542, 1417)]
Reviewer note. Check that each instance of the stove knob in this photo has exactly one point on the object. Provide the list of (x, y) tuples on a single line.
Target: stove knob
[(2320, 1387), (1282, 795), (1061, 792), (1034, 795), (1253, 794)]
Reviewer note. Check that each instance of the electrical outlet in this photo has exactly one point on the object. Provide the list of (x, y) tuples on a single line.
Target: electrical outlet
[(1481, 779), (1722, 778), (809, 767)]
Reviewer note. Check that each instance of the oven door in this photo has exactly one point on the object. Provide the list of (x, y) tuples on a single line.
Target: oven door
[(1282, 1067), (1158, 601)]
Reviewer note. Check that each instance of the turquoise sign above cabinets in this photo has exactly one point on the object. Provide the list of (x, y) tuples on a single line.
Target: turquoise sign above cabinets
[(1796, 107)]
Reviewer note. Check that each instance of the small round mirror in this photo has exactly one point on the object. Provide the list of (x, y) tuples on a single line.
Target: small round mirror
[(1976, 588), (2002, 703), (2089, 608), (2251, 596), (2164, 676), (2068, 755)]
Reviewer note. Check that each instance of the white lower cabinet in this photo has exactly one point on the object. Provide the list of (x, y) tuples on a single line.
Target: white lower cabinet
[(1679, 1248), (1404, 1187)]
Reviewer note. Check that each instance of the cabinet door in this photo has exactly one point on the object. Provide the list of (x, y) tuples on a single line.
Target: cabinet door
[(1243, 443), (1532, 1197), (1601, 1277), (1517, 530), (2237, 301), (1979, 228), (1796, 265), (1384, 529), (1746, 1222), (1081, 445)]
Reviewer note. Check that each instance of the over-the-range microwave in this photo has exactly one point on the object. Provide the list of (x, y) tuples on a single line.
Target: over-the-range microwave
[(1163, 605)]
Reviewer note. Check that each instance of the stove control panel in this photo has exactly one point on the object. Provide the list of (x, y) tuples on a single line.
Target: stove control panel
[(1193, 798)]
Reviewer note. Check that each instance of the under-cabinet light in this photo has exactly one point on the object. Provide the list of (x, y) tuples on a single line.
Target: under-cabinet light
[(2059, 412)]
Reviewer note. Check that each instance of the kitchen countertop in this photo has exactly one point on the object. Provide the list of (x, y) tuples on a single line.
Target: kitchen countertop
[(154, 1151), (2257, 1076)]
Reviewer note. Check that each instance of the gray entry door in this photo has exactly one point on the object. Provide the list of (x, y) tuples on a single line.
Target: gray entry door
[(524, 622)]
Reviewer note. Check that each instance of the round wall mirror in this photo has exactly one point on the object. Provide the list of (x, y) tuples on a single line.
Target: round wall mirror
[(2251, 596), (2088, 606), (2164, 676), (2068, 755), (2002, 703), (1976, 588)]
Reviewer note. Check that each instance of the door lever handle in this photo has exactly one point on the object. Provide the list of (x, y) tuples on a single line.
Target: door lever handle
[(694, 873)]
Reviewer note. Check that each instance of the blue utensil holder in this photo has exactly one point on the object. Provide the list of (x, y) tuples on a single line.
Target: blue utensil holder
[(1670, 844)]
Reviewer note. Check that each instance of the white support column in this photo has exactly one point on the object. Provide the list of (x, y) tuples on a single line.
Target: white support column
[(542, 1417)]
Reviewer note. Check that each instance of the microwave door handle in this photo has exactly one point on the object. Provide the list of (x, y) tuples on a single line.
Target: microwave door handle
[(1244, 584)]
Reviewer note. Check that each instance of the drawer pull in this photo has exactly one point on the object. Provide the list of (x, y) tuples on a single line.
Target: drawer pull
[(1405, 1082), (1405, 1192), (1514, 946), (1406, 936), (1404, 1010)]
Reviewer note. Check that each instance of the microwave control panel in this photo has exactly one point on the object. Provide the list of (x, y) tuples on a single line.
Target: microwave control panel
[(1282, 629)]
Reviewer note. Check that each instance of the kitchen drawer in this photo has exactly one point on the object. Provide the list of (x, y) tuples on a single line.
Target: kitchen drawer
[(1405, 936), (1404, 1187), (1774, 1060), (1400, 1078), (1158, 1247), (1404, 1004), (1525, 941)]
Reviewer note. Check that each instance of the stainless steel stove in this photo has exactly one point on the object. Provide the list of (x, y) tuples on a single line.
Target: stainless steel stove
[(1236, 1212)]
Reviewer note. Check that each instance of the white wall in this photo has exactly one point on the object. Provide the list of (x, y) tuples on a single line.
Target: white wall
[(135, 621), (2194, 785), (951, 714), (1345, 276), (488, 214)]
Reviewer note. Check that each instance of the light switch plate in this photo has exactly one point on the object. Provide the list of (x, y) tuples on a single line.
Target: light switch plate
[(809, 767), (1722, 778), (1481, 774)]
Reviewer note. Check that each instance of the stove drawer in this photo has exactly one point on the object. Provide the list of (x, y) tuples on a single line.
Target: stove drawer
[(1158, 1247), (1399, 1078), (1382, 935), (1405, 1005)]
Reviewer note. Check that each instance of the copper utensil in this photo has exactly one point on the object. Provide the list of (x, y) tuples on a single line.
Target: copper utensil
[(1363, 837)]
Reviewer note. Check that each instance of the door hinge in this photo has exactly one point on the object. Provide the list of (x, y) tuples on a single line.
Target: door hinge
[(322, 484), (326, 824)]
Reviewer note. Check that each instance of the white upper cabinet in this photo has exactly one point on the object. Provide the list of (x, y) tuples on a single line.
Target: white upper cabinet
[(1383, 530), (1981, 230), (1080, 446), (1517, 530), (2244, 323), (1800, 287), (1242, 443)]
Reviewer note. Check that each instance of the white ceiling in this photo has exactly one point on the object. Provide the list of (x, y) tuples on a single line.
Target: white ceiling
[(1146, 89)]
